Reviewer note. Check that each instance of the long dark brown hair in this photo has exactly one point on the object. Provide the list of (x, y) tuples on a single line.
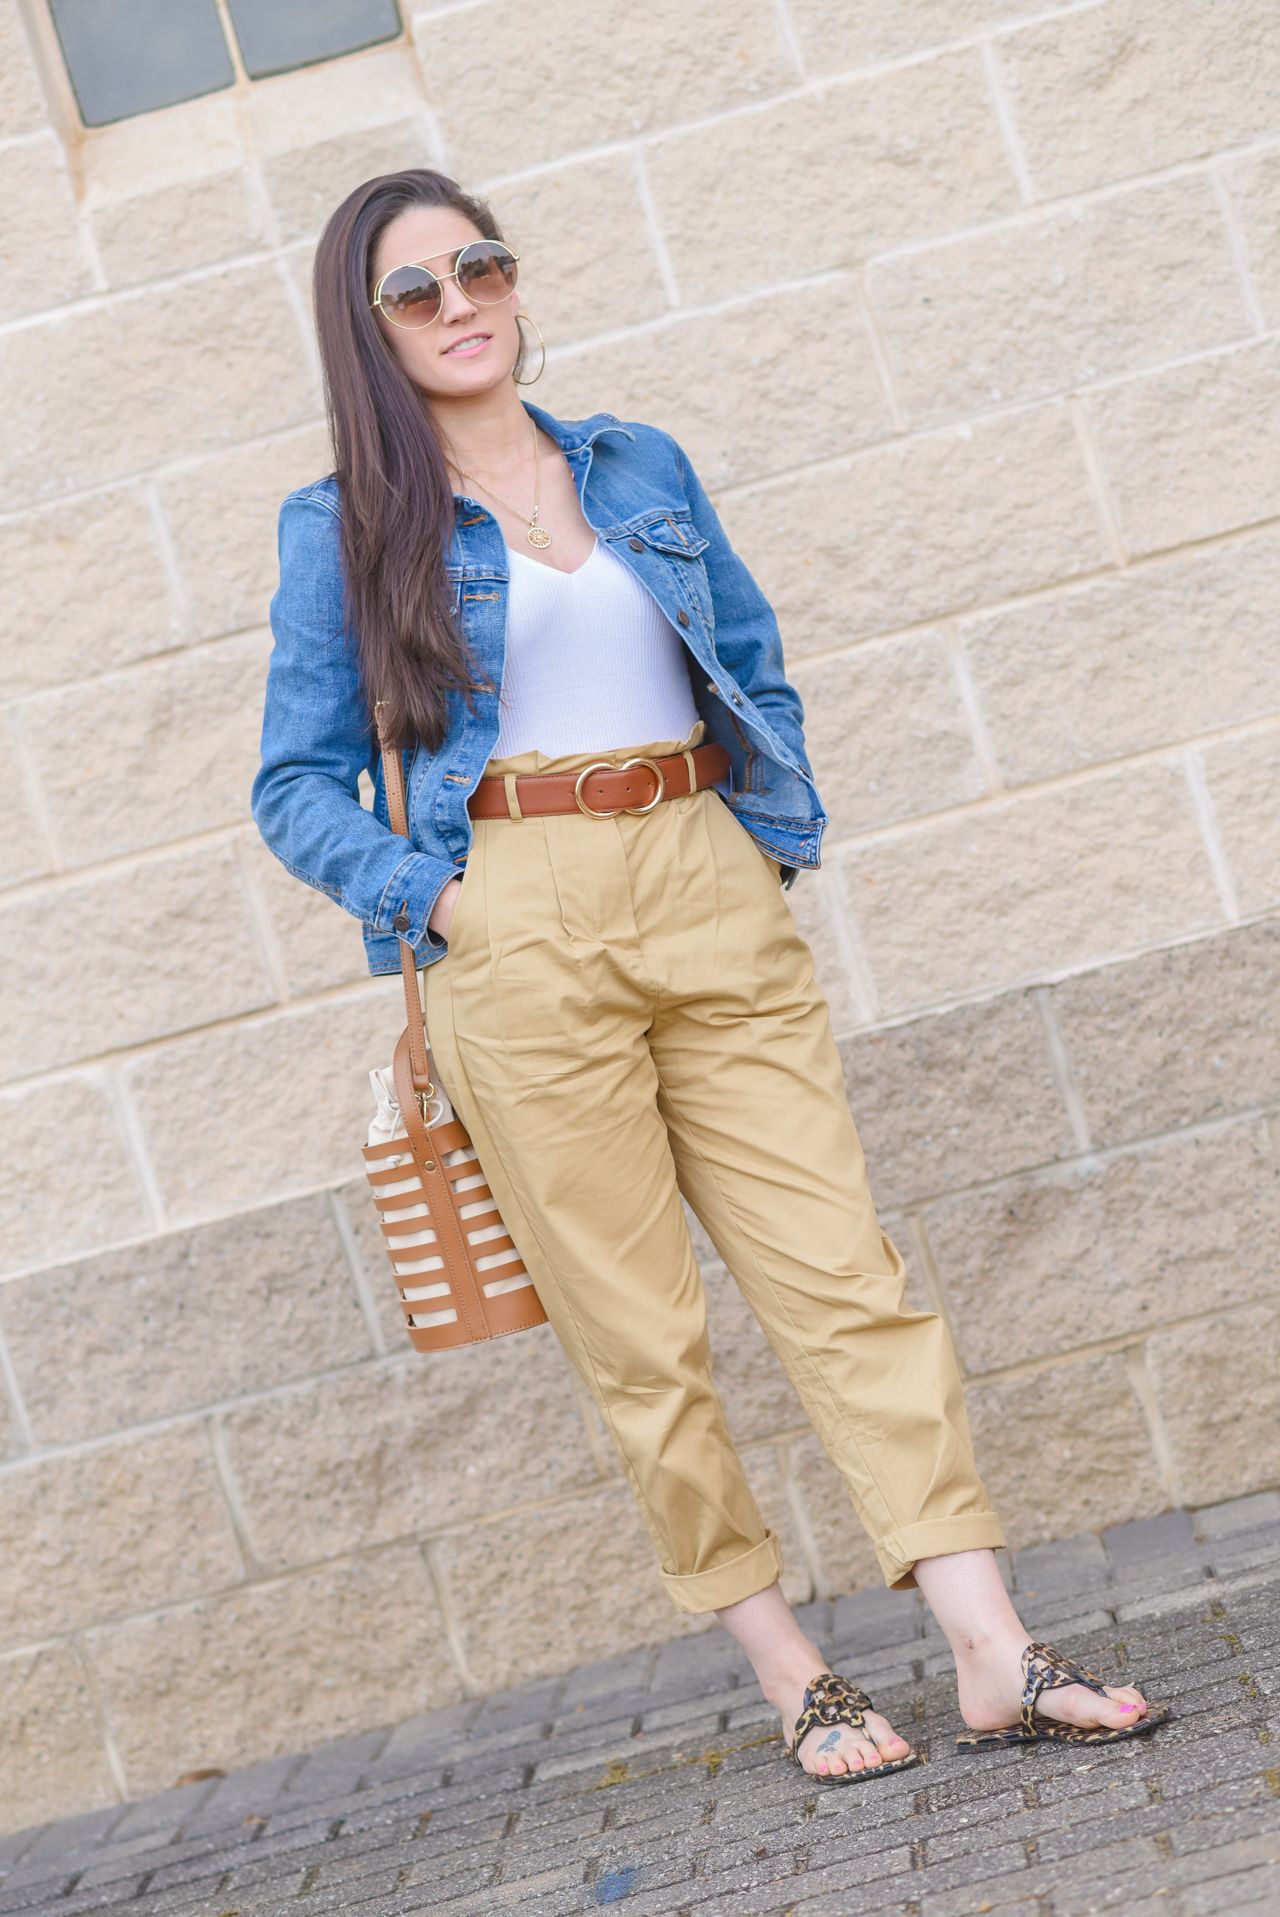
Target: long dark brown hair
[(397, 498)]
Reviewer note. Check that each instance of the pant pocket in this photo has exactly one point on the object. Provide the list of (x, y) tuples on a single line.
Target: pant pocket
[(470, 877)]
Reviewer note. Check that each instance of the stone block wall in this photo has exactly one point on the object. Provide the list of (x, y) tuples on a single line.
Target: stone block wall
[(969, 314)]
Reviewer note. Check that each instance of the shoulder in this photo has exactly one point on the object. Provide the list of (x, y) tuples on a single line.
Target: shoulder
[(321, 495), (311, 523), (651, 441), (310, 539), (631, 444)]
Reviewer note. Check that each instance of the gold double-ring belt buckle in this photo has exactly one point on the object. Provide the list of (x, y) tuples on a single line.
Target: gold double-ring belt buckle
[(602, 765), (659, 795)]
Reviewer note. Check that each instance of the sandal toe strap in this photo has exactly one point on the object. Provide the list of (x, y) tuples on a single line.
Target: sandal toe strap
[(1045, 1669), (829, 1700)]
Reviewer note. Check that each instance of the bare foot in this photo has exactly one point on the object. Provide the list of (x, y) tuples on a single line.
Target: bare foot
[(785, 1661), (966, 1594), (990, 1683), (830, 1751)]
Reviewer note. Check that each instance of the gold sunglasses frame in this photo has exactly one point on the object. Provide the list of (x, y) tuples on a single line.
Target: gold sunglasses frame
[(376, 306)]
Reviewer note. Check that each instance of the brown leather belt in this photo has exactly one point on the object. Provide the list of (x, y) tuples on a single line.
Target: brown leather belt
[(601, 791)]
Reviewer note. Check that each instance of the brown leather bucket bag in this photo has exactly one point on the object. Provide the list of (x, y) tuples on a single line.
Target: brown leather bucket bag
[(459, 1276)]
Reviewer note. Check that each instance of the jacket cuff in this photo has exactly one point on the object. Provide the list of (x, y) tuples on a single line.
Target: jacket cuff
[(409, 898)]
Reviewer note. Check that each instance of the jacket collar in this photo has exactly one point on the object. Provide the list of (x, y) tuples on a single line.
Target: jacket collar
[(576, 436)]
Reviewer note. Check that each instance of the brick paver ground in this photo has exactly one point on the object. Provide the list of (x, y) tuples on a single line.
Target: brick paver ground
[(654, 1780)]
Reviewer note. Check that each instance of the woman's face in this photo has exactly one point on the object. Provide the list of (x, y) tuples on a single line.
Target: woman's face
[(468, 349)]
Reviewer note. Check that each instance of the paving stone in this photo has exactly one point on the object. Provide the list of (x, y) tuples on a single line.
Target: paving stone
[(274, 1854), (529, 1704), (101, 1897), (580, 1721), (1067, 1565), (420, 1769), (1253, 1893), (1082, 1898), (438, 1727), (489, 1748), (169, 1812), (1003, 1897), (178, 1862), (336, 1768), (477, 1771), (609, 1677), (1247, 1552), (28, 1896), (136, 1861), (1169, 1536), (14, 1847), (73, 1837), (885, 1683), (244, 1793), (705, 1662), (880, 1670), (877, 1618), (1239, 1514), (1059, 1622), (814, 1619), (1163, 1605)]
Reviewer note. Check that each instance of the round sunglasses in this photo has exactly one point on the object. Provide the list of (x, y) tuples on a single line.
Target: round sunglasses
[(412, 295)]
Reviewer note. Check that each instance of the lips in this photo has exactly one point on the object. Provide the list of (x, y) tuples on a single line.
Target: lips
[(471, 341)]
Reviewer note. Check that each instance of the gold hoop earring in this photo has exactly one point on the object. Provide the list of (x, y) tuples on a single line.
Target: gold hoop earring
[(542, 364)]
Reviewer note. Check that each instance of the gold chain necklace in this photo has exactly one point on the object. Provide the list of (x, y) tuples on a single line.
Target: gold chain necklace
[(537, 535)]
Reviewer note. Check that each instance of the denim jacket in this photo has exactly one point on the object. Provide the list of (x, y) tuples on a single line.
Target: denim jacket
[(642, 498)]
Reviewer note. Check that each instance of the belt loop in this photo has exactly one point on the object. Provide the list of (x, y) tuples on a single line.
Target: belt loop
[(693, 770), (513, 800)]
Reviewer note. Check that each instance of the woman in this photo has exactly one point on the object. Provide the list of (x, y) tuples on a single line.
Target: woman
[(607, 783)]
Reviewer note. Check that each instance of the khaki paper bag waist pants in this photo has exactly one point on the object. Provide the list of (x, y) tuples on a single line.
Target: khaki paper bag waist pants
[(626, 1013)]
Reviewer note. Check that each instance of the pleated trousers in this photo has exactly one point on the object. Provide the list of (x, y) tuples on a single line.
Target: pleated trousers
[(627, 1015)]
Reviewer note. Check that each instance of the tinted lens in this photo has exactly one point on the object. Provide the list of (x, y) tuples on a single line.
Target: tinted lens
[(486, 271), (410, 296)]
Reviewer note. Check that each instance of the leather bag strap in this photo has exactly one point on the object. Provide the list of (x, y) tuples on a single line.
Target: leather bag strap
[(467, 1295), (415, 1023)]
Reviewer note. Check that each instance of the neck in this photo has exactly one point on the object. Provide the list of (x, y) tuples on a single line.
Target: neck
[(487, 433)]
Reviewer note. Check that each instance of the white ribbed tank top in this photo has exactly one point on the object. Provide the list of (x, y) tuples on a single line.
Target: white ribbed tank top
[(591, 662)]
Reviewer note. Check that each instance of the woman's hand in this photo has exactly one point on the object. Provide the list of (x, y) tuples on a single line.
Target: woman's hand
[(442, 911)]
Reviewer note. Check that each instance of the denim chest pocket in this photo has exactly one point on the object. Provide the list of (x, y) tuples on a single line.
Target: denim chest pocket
[(675, 542), (672, 534)]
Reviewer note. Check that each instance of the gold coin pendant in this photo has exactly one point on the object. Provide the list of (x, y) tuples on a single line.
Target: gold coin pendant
[(538, 536)]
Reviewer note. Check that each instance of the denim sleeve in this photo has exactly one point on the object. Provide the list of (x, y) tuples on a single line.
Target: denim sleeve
[(746, 635), (316, 741)]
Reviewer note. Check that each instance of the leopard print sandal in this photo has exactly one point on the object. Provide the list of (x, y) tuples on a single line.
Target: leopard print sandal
[(1044, 1669), (833, 1700)]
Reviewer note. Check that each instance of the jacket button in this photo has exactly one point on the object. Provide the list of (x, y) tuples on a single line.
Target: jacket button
[(401, 921), (737, 699), (683, 616), (636, 545)]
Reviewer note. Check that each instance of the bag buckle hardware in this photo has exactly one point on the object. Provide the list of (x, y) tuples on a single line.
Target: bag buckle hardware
[(602, 765)]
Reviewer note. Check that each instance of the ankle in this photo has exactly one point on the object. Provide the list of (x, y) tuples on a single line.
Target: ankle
[(788, 1676), (979, 1646)]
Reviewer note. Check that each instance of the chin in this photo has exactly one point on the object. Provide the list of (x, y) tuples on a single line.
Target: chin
[(470, 378)]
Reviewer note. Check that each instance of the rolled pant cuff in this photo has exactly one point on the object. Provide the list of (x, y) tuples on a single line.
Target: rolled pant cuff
[(729, 1583), (934, 1538)]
